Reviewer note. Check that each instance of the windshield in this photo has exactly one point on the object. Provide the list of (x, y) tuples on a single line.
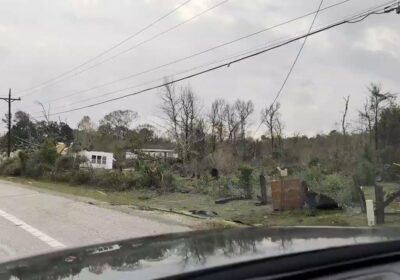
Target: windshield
[(129, 119)]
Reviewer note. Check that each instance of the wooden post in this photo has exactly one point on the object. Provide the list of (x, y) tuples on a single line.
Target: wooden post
[(263, 187), (379, 205), (362, 200), (360, 193), (282, 195), (9, 100)]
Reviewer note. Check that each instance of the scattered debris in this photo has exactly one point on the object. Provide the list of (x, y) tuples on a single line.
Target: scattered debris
[(205, 213), (100, 192), (224, 200), (144, 197), (215, 173), (320, 201), (70, 259)]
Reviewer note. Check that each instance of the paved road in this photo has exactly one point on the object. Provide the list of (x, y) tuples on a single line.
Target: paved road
[(33, 222)]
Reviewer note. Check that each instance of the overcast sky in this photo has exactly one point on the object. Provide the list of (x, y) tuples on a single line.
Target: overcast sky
[(43, 38)]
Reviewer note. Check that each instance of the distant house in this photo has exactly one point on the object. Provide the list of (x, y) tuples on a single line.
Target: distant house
[(97, 159), (154, 153)]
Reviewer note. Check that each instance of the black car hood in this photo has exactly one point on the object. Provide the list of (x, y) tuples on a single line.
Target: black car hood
[(167, 255)]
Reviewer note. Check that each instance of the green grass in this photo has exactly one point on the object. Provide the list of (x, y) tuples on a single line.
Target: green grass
[(242, 210), (388, 188)]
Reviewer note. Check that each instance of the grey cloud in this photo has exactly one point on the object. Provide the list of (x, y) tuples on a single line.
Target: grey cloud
[(49, 37)]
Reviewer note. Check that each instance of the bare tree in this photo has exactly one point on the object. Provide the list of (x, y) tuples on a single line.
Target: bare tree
[(45, 112), (188, 114), (377, 97), (232, 122), (244, 110), (372, 109), (216, 120), (269, 117), (86, 124), (182, 113), (279, 131), (220, 120), (170, 108), (346, 107), (366, 119)]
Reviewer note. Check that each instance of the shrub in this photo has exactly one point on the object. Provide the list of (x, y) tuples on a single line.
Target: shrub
[(35, 168), (132, 180), (169, 183), (111, 180), (335, 186), (151, 176), (47, 153), (65, 163), (365, 173), (64, 177), (339, 188), (245, 180), (81, 177), (23, 157), (11, 167)]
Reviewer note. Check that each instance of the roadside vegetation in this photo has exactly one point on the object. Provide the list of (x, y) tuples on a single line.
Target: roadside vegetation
[(217, 158)]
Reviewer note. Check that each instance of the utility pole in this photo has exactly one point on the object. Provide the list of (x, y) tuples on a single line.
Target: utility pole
[(9, 100)]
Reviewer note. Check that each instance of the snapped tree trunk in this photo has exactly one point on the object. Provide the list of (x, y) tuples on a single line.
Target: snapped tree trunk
[(263, 187), (379, 205)]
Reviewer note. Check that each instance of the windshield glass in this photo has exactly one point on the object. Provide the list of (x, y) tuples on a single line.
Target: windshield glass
[(130, 119)]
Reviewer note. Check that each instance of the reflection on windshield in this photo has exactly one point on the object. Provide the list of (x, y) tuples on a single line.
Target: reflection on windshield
[(157, 257)]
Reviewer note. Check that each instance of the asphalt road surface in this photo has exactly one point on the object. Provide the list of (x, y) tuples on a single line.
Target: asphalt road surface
[(34, 222)]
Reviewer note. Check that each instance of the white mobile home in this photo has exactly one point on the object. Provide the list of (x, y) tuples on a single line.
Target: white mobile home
[(154, 153), (98, 159)]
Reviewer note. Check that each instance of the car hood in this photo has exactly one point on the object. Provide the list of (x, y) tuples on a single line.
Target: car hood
[(167, 255)]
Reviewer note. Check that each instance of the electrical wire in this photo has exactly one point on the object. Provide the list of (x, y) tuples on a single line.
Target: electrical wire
[(134, 46), (237, 54), (195, 54), (301, 48), (111, 48), (228, 64), (297, 56)]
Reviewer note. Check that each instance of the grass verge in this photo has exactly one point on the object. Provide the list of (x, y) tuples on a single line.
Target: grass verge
[(243, 211)]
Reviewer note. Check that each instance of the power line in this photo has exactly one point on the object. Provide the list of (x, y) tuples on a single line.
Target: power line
[(9, 100), (228, 64), (109, 49), (298, 55), (134, 46), (237, 54), (196, 54), (302, 46)]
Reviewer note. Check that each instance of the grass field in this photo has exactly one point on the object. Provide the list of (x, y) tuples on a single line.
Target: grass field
[(243, 211)]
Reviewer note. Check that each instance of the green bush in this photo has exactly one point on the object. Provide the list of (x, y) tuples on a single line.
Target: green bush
[(23, 157), (169, 183), (246, 180), (365, 173), (110, 180), (81, 177), (339, 188), (335, 186), (65, 163), (11, 167), (151, 176), (63, 177), (132, 180), (47, 153), (35, 168)]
